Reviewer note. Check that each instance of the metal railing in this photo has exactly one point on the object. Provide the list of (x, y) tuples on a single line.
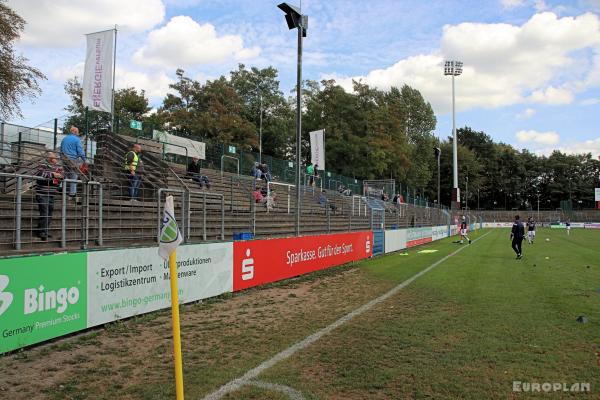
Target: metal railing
[(289, 192), (237, 161)]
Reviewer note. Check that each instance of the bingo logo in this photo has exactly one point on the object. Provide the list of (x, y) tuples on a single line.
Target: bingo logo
[(6, 298)]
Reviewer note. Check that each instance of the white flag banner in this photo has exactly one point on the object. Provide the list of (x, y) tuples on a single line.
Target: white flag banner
[(178, 145), (317, 148), (170, 237), (98, 72)]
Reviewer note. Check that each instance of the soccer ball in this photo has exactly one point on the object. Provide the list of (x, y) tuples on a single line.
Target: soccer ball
[(547, 239)]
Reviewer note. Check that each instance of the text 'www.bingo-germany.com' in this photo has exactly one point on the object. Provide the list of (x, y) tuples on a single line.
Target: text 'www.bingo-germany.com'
[(137, 301)]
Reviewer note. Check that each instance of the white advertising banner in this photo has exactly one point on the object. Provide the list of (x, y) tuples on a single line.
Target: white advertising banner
[(596, 194), (317, 148), (128, 282), (439, 232), (395, 240), (98, 72), (178, 145)]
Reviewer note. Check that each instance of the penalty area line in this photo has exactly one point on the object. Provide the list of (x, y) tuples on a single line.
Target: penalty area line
[(256, 371)]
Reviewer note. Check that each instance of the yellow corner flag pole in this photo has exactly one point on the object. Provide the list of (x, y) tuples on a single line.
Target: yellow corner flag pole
[(176, 332), (169, 238)]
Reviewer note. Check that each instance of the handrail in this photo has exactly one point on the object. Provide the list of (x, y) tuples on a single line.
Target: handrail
[(204, 195), (281, 184), (237, 160)]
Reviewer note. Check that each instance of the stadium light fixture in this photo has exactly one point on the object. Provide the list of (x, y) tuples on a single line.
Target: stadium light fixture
[(295, 20), (454, 68)]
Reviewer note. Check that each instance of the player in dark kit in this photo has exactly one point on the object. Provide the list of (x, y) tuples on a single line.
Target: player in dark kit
[(530, 230), (463, 231), (516, 235)]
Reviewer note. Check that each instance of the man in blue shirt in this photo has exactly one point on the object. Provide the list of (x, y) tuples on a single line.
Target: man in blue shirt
[(72, 152)]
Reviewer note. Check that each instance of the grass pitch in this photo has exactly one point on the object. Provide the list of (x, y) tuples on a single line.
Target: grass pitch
[(467, 329)]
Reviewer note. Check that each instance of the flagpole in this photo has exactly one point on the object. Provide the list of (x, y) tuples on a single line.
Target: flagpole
[(176, 331), (112, 108)]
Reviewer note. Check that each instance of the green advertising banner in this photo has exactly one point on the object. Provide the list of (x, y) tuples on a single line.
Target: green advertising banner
[(41, 297)]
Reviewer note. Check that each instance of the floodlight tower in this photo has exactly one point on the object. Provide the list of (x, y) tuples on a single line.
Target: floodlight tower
[(454, 68), (295, 20)]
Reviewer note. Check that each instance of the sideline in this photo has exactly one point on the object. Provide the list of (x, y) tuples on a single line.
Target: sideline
[(254, 372)]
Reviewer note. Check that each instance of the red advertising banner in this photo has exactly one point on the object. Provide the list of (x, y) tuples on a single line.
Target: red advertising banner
[(257, 262)]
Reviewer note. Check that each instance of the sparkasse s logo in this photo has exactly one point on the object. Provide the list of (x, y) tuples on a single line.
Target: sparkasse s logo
[(6, 298)]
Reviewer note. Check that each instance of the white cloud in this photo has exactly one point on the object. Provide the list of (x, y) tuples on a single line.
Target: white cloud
[(156, 84), (583, 147), (532, 136), (184, 42), (589, 102), (503, 64), (59, 23), (526, 114), (512, 3), (64, 73), (552, 96)]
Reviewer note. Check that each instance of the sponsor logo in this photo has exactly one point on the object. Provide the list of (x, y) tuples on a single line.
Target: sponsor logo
[(39, 300), (368, 245), (6, 298), (247, 267)]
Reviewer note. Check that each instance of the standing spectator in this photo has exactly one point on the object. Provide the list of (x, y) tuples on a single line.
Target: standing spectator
[(49, 178), (72, 153), (193, 172), (310, 171), (133, 168)]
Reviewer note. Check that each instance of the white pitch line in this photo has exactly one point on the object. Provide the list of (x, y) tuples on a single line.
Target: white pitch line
[(254, 372), (291, 393)]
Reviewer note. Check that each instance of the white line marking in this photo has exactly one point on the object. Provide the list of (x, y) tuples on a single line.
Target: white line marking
[(254, 372), (293, 394)]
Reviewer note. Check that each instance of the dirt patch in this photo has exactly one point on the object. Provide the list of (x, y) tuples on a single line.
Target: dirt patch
[(222, 338)]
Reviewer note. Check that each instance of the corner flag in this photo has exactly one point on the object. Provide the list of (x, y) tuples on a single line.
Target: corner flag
[(170, 238)]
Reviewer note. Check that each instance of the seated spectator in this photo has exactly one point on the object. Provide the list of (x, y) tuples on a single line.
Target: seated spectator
[(255, 171), (322, 200), (347, 192), (265, 174), (396, 199), (50, 177), (384, 196), (258, 197), (193, 172)]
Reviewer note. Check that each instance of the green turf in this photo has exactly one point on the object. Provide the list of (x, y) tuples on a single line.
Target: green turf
[(466, 329), (469, 328)]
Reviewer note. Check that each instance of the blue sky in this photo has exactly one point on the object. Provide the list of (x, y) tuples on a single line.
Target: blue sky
[(532, 67)]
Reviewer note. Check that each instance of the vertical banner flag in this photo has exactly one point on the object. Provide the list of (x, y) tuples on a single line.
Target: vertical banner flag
[(98, 72), (317, 148), (170, 237)]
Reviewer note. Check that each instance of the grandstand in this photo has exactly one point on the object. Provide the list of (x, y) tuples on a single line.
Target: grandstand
[(102, 216)]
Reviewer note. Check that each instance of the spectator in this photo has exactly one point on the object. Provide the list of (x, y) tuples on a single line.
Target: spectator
[(310, 171), (50, 176), (397, 198), (324, 202), (258, 196), (132, 168), (265, 174), (384, 196), (255, 171), (72, 153), (193, 172)]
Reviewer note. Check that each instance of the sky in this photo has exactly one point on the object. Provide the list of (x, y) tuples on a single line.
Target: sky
[(531, 67)]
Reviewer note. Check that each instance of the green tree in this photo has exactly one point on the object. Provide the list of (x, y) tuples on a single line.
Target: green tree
[(18, 80)]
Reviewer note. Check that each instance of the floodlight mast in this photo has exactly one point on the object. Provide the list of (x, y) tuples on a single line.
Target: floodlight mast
[(454, 68), (295, 20)]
